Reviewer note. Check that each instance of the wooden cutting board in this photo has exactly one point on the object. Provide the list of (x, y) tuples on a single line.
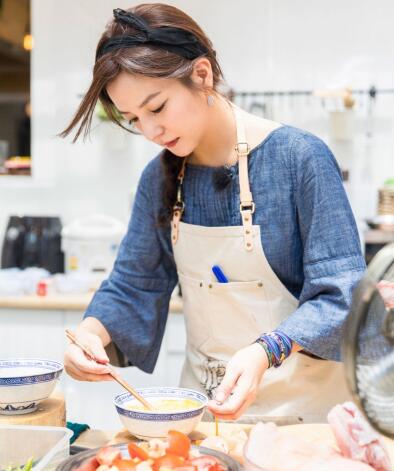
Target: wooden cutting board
[(50, 412)]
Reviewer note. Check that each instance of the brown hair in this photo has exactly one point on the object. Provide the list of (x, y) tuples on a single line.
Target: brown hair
[(149, 61)]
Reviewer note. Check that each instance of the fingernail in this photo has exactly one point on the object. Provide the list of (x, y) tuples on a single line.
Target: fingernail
[(219, 397), (103, 361)]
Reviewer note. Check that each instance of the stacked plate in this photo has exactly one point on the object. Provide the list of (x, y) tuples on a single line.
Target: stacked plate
[(386, 201)]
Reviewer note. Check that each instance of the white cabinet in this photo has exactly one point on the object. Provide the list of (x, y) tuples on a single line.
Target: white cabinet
[(40, 333), (31, 333)]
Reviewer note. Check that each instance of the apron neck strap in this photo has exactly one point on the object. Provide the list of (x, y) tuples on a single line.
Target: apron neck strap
[(246, 206), (242, 149), (246, 199), (179, 205)]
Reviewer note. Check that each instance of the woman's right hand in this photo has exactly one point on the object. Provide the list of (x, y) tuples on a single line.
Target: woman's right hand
[(79, 366)]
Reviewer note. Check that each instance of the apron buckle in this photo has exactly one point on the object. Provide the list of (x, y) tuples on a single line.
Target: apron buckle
[(179, 206), (242, 148), (247, 207)]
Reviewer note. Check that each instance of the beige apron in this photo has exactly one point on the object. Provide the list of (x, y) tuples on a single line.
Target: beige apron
[(222, 318)]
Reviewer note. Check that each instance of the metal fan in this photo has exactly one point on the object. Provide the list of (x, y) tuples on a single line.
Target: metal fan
[(368, 342)]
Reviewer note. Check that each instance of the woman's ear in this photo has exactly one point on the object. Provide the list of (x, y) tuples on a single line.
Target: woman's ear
[(202, 73)]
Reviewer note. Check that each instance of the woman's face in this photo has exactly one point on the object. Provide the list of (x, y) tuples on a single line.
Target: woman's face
[(164, 110)]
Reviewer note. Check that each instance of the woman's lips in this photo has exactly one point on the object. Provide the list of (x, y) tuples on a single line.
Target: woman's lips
[(171, 143)]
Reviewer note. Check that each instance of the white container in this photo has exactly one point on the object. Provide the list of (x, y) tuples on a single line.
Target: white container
[(91, 244), (48, 446), (342, 125)]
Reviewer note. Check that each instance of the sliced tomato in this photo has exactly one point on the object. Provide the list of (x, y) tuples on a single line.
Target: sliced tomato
[(136, 451), (108, 455), (169, 460), (206, 463), (178, 443), (89, 465), (124, 465)]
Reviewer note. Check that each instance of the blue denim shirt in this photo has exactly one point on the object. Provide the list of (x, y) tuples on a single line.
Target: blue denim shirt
[(307, 229)]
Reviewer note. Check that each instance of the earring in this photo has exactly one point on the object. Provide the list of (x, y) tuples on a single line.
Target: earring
[(210, 100)]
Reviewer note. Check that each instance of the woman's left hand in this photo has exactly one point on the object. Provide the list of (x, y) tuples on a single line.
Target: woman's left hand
[(240, 384)]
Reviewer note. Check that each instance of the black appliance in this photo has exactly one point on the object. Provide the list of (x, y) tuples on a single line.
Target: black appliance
[(32, 241)]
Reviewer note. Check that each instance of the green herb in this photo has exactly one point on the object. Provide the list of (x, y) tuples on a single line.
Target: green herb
[(26, 467)]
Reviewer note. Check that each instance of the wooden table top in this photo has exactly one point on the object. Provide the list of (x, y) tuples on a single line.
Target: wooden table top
[(312, 432)]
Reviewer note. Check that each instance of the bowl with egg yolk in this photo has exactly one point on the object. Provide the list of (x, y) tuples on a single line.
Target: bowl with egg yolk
[(174, 409)]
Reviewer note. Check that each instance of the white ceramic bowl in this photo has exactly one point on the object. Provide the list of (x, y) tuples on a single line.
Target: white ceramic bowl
[(25, 382), (147, 424)]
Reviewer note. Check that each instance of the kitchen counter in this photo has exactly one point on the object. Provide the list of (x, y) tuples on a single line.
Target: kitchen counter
[(64, 302), (34, 327)]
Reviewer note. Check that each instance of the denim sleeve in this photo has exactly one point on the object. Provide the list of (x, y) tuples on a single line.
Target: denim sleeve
[(332, 258), (133, 302)]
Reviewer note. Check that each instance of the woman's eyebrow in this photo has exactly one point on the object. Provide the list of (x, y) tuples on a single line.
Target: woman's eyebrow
[(148, 99), (145, 102)]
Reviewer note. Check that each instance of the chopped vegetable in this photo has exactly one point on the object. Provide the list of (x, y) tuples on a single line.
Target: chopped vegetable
[(168, 461), (89, 465), (26, 467), (206, 463), (156, 455), (124, 464), (136, 451), (178, 443), (108, 455)]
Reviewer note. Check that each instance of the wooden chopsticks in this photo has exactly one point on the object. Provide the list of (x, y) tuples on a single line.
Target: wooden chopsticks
[(112, 372)]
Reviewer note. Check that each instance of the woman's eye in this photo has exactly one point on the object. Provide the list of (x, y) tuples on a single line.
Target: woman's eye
[(157, 110), (132, 121)]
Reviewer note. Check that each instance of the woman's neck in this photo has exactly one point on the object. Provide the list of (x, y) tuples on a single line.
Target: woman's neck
[(217, 146)]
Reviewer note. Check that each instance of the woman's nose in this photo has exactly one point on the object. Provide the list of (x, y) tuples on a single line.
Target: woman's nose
[(152, 131)]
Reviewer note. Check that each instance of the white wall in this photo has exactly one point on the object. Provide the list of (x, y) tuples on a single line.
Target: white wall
[(262, 44)]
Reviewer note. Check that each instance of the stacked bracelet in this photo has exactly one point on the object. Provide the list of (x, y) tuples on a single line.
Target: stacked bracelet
[(277, 346), (267, 351)]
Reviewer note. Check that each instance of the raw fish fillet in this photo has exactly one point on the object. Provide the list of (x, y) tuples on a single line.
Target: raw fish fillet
[(356, 438), (269, 449), (386, 290)]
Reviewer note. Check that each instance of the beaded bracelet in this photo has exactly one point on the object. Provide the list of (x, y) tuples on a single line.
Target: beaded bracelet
[(285, 347), (277, 346), (267, 351)]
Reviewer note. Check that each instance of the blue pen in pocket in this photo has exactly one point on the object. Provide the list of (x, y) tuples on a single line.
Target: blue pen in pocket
[(220, 276)]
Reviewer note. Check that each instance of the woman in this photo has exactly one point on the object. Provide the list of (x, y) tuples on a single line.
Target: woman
[(249, 215)]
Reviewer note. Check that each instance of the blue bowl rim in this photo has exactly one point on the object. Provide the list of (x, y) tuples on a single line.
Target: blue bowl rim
[(161, 392), (54, 373)]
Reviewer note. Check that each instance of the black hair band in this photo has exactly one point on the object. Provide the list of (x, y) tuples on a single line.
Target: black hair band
[(175, 40), (223, 176)]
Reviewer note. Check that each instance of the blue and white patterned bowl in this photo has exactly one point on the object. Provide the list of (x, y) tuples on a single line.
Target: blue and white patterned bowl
[(151, 424), (25, 382)]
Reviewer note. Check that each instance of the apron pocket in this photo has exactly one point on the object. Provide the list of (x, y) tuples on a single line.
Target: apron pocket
[(193, 311), (237, 312), (221, 318)]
